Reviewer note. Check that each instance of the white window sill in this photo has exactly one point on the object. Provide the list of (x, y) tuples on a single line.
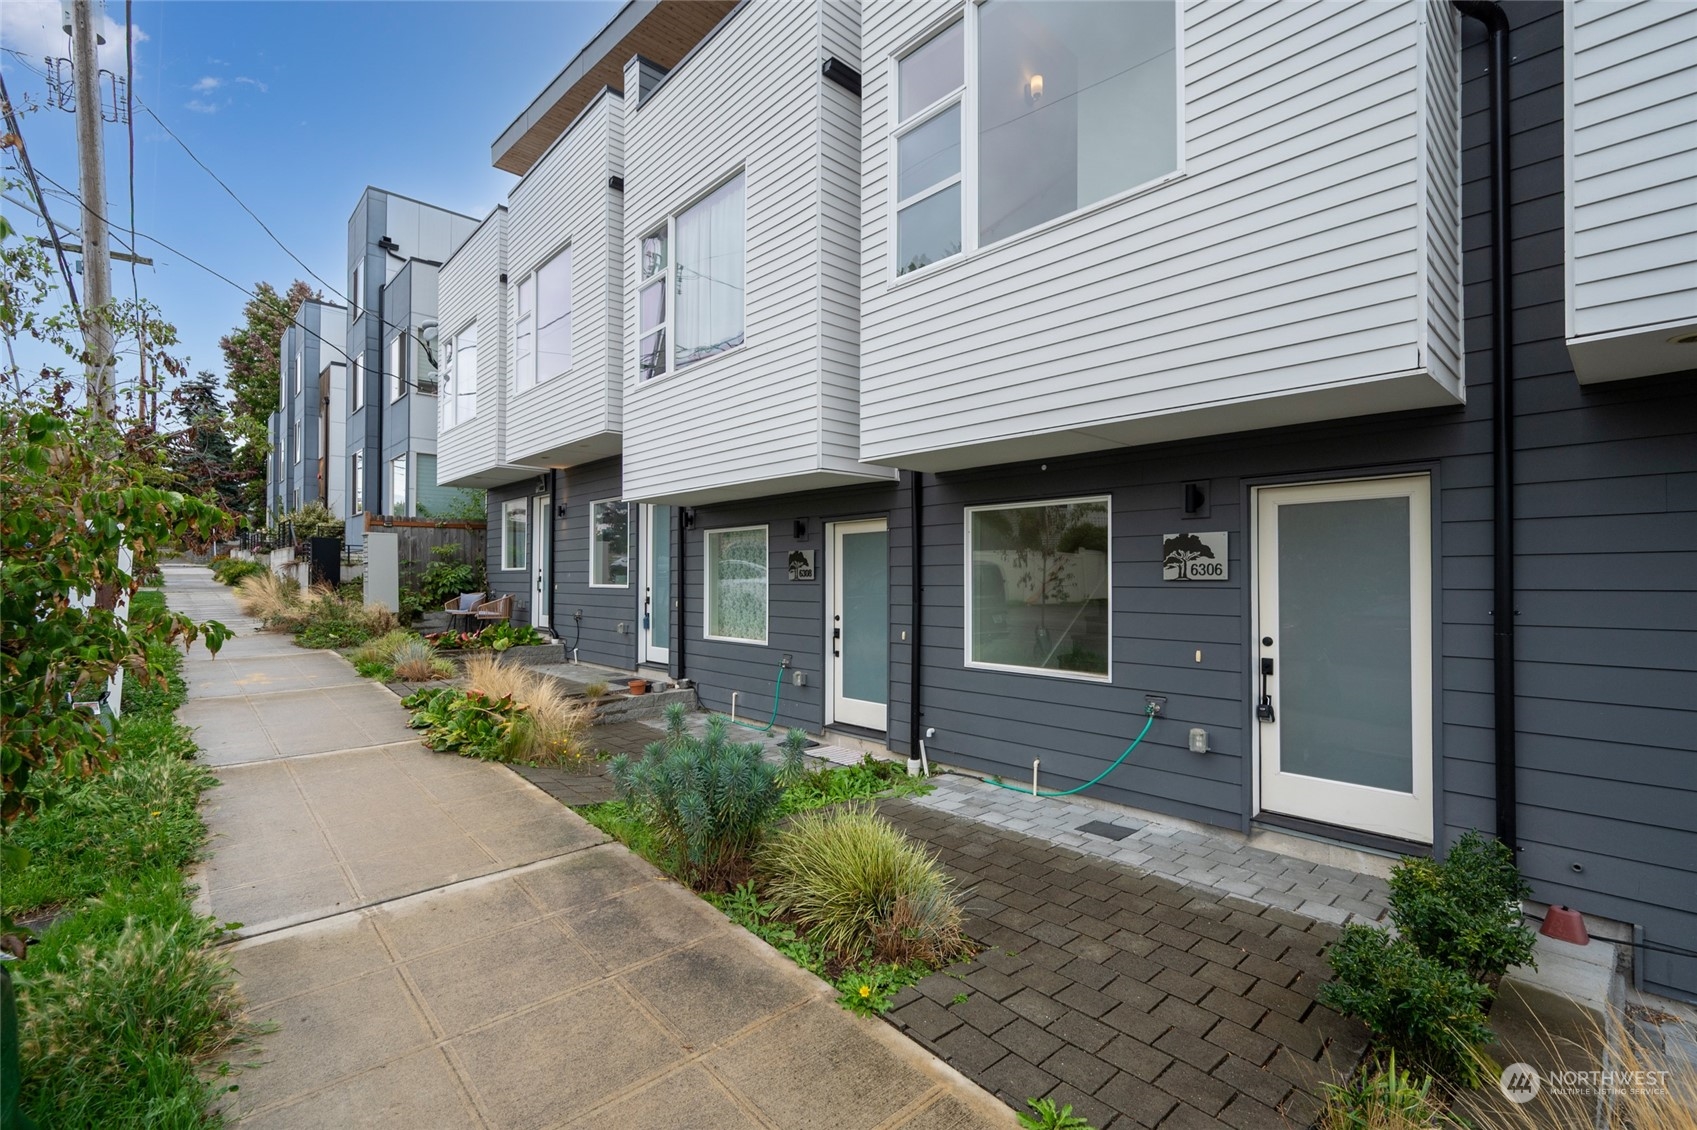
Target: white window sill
[(1043, 672)]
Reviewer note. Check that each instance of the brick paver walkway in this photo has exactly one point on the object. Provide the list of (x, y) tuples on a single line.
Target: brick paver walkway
[(1139, 1000), (1212, 859), (590, 785)]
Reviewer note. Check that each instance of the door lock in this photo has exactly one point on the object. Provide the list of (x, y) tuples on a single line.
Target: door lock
[(646, 603), (1264, 708), (836, 644)]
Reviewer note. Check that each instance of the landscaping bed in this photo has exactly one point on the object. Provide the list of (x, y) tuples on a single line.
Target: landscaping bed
[(127, 1012)]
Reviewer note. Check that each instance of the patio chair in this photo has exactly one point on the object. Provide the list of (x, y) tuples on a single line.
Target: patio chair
[(461, 609), (497, 611)]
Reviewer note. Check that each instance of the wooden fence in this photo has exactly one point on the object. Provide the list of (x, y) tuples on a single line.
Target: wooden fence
[(416, 538)]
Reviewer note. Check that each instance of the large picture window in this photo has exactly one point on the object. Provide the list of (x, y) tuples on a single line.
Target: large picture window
[(737, 584), (1070, 102), (691, 278), (609, 544), (1038, 584), (515, 533), (459, 377)]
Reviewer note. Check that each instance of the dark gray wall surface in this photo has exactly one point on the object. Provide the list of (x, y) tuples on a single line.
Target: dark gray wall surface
[(796, 612), (1606, 574), (598, 638), (516, 583)]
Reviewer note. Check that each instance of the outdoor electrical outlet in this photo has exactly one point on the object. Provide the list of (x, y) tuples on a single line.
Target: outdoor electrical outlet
[(1157, 704), (1198, 740), (801, 678), (624, 628)]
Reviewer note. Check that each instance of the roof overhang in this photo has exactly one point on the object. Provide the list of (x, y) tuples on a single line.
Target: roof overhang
[(663, 31)]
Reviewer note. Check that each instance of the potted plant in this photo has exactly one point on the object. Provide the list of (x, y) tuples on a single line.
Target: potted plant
[(639, 686)]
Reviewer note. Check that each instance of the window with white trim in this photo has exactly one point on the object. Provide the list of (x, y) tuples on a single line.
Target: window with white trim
[(424, 347), (359, 380), (356, 299), (300, 438), (300, 371), (398, 486), (357, 473), (459, 377), (397, 378), (736, 584), (691, 283), (515, 533), (609, 544), (543, 329), (1057, 106), (1038, 587)]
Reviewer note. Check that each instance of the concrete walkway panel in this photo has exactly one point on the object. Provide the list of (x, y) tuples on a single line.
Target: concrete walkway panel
[(232, 674)]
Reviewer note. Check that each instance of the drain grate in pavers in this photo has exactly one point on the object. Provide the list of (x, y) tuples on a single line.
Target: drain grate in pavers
[(1138, 1000), (1106, 830)]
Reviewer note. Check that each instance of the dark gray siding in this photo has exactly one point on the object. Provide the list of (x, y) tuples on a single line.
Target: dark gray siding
[(1606, 572), (598, 637), (517, 582), (796, 612)]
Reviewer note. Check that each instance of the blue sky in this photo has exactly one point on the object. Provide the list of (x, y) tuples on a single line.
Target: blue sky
[(297, 106)]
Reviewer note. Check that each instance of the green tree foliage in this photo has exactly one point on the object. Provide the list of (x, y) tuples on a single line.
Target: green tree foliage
[(1465, 911), (252, 373), (201, 452)]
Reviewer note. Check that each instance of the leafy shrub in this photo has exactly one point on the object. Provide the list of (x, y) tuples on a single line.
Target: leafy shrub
[(858, 885), (500, 637), (333, 632), (1380, 1099), (447, 576), (374, 669), (837, 784), (467, 723), (709, 800), (1465, 911), (1431, 1011), (229, 571)]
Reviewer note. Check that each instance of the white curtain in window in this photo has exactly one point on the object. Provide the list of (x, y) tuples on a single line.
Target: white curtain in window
[(709, 304)]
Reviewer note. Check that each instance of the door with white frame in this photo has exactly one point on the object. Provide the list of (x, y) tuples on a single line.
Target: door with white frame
[(1343, 653), (541, 592), (656, 581), (858, 619)]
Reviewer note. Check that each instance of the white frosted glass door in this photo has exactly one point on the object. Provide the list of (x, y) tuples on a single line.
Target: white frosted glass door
[(541, 594), (1342, 676), (859, 576), (657, 583)]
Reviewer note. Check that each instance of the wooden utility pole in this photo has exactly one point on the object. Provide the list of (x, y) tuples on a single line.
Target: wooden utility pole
[(91, 162)]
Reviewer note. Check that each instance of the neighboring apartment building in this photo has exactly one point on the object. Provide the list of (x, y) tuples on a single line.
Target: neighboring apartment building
[(308, 432), (396, 245), (1004, 365)]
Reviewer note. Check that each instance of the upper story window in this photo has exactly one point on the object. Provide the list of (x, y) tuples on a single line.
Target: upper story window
[(357, 472), (459, 377), (300, 438), (397, 378), (359, 380), (300, 368), (691, 283), (424, 347), (542, 347), (356, 300), (1071, 102)]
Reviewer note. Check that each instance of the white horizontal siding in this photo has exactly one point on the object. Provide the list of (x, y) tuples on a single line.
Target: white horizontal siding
[(469, 289), (1305, 248), (565, 201), (1632, 144), (775, 410)]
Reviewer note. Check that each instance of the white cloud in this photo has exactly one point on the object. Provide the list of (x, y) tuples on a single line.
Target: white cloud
[(200, 107), (32, 28), (207, 84), (252, 82)]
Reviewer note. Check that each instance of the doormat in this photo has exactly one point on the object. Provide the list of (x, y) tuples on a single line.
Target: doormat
[(1108, 831)]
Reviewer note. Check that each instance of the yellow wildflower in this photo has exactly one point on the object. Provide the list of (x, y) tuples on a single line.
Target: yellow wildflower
[(866, 990)]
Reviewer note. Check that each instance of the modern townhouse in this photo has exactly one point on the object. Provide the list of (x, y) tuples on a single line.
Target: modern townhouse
[(997, 373), (396, 246), (308, 432)]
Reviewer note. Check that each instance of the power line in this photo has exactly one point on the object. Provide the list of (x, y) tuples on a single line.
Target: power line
[(40, 198)]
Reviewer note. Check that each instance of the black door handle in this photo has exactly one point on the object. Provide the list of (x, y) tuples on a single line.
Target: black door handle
[(1264, 708), (836, 635)]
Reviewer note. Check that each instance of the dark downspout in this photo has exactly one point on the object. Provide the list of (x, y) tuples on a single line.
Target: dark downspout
[(1502, 420), (916, 501), (678, 587), (379, 403)]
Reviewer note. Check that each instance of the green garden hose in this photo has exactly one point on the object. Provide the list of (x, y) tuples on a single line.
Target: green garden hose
[(777, 698), (1093, 780)]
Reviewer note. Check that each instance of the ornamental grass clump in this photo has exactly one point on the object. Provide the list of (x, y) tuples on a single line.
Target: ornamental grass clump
[(417, 662), (708, 800), (551, 725), (858, 885)]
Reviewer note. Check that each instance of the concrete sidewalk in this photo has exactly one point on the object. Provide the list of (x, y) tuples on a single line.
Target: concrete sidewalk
[(440, 944)]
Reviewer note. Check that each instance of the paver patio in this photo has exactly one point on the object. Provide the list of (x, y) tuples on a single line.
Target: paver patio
[(1139, 1000)]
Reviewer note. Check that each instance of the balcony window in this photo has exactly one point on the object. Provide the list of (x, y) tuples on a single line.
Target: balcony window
[(1068, 103), (1038, 587), (515, 533), (609, 549), (736, 584), (696, 292), (459, 377)]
